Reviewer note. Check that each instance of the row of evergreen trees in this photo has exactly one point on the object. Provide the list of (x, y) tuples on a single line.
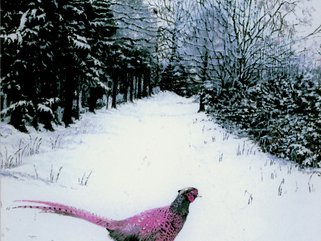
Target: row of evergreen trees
[(283, 115), (66, 53), (237, 55)]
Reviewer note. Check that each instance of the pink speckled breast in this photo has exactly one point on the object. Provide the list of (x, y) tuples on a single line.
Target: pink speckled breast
[(158, 224)]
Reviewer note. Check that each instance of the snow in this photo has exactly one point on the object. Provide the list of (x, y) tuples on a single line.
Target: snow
[(139, 156)]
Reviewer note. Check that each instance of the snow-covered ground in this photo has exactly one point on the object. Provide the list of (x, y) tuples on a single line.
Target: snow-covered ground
[(139, 156)]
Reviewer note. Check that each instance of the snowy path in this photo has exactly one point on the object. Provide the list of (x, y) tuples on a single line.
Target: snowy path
[(140, 155)]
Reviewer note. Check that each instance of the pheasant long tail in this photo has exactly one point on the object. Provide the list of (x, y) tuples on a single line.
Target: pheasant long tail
[(52, 207)]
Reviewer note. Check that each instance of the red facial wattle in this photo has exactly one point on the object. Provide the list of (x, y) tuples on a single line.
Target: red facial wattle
[(192, 195)]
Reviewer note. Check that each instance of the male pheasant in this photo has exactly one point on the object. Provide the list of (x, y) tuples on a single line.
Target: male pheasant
[(159, 224)]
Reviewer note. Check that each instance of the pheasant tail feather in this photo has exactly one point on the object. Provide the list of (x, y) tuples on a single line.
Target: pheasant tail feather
[(52, 207)]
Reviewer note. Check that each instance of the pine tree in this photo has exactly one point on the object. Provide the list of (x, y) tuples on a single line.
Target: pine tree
[(102, 27), (131, 53), (26, 56)]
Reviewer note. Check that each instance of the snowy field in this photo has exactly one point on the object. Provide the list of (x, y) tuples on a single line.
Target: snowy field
[(120, 162)]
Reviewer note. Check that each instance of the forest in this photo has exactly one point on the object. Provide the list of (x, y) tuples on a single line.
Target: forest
[(243, 60)]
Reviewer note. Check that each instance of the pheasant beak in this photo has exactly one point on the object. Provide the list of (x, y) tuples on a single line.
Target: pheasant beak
[(197, 196)]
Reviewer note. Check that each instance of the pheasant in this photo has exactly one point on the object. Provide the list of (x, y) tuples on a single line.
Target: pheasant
[(159, 224)]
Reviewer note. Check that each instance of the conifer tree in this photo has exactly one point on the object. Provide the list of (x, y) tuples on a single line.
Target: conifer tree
[(101, 28)]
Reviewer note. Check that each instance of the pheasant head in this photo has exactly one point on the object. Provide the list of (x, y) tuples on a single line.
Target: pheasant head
[(184, 198), (189, 193)]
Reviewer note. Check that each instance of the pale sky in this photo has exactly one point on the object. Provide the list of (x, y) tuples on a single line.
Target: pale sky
[(317, 14), (311, 44), (315, 7)]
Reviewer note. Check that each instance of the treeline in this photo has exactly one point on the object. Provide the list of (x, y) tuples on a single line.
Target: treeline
[(259, 83), (59, 56), (242, 58), (283, 115)]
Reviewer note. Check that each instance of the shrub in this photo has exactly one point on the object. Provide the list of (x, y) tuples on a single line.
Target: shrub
[(283, 115)]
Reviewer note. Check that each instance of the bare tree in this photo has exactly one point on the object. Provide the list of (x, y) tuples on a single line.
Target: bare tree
[(241, 41), (174, 20)]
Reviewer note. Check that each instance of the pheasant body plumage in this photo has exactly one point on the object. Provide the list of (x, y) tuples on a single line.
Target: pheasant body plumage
[(159, 224)]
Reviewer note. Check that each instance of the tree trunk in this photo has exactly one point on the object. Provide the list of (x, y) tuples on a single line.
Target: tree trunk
[(135, 86), (146, 83), (139, 86), (78, 102), (202, 104), (131, 88), (114, 92), (107, 101), (69, 97), (92, 99), (125, 87)]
